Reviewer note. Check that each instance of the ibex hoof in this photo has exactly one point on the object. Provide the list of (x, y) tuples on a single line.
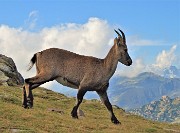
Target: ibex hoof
[(29, 104), (115, 121), (24, 106), (74, 115)]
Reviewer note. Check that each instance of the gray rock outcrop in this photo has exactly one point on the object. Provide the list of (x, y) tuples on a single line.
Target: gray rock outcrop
[(8, 72)]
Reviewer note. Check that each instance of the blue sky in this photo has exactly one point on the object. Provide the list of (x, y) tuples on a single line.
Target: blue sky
[(151, 26), (154, 19)]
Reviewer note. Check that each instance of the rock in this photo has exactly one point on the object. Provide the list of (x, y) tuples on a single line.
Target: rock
[(81, 113), (165, 99), (8, 72), (3, 78)]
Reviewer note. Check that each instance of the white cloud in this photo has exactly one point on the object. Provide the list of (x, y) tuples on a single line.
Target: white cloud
[(33, 13), (132, 71), (165, 58), (30, 23), (88, 39)]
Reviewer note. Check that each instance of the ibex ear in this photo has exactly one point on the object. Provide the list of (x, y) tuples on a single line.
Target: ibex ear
[(116, 41)]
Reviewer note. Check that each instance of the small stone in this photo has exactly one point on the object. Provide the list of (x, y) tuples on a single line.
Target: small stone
[(81, 113)]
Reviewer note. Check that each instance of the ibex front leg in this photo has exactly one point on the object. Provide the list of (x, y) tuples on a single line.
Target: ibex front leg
[(104, 98), (80, 96)]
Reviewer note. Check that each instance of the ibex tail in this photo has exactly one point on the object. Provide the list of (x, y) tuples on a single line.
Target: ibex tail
[(32, 62)]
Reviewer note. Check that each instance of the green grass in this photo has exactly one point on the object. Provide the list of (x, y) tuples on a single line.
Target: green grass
[(151, 130), (39, 119)]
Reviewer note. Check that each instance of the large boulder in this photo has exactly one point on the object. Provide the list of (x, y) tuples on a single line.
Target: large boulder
[(8, 72)]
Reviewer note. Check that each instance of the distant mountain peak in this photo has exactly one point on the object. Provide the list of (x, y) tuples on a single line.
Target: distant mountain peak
[(168, 72), (171, 72)]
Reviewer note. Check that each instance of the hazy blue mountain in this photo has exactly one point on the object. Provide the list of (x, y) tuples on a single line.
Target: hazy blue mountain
[(171, 72), (165, 109), (135, 92)]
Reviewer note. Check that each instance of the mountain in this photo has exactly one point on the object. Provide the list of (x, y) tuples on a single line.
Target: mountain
[(164, 110), (130, 93), (168, 72), (51, 114), (171, 72)]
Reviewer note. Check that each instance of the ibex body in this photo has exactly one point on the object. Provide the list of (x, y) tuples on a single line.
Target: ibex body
[(84, 73)]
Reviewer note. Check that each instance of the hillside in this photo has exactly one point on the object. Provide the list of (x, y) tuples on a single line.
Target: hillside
[(165, 109), (14, 118)]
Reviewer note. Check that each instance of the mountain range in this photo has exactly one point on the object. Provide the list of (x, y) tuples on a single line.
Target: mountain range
[(164, 110), (130, 93)]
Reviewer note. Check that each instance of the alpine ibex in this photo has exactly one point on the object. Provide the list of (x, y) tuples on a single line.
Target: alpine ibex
[(84, 73)]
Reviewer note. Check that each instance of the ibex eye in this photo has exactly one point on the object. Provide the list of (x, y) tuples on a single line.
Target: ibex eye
[(125, 50)]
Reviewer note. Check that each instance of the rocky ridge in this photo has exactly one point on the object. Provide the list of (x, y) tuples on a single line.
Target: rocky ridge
[(164, 110)]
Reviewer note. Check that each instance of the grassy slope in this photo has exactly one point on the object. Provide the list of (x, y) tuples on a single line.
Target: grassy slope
[(39, 119)]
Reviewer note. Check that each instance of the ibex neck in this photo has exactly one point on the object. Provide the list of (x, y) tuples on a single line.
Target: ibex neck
[(111, 61)]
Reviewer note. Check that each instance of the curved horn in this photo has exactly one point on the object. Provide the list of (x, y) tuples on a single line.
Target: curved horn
[(117, 33), (123, 35)]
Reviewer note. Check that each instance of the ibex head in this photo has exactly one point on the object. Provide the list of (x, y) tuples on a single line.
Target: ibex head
[(122, 51)]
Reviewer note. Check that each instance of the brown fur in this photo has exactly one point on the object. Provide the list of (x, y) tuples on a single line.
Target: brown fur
[(84, 73)]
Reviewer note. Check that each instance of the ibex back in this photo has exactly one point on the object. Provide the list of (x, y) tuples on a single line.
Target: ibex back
[(84, 73)]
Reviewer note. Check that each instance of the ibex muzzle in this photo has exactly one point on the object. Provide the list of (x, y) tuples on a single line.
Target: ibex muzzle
[(84, 73)]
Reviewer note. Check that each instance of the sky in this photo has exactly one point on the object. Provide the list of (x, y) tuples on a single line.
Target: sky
[(152, 29)]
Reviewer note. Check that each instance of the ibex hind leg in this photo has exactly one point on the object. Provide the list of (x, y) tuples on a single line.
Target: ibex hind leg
[(24, 98), (32, 83)]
